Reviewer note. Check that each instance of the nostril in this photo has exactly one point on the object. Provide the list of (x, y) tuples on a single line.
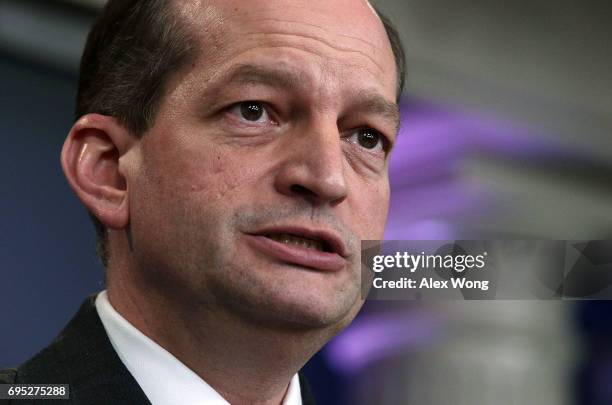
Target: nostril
[(303, 191)]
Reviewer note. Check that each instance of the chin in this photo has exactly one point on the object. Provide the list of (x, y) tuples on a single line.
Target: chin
[(309, 302), (308, 314)]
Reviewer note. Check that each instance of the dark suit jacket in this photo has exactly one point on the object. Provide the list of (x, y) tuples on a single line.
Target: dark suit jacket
[(83, 357)]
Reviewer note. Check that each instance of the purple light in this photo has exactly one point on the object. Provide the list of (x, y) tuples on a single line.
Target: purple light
[(375, 337), (429, 195)]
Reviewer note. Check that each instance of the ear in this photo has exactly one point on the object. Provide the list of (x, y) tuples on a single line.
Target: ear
[(90, 160)]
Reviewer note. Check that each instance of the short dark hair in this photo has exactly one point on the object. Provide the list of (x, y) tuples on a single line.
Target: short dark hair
[(398, 52), (133, 49)]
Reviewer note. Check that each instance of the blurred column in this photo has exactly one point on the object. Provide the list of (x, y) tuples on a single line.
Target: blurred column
[(488, 352)]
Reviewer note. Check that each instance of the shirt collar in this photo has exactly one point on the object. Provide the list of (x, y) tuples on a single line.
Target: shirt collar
[(162, 377)]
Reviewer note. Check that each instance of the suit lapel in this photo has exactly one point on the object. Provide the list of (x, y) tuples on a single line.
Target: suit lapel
[(307, 396), (83, 356)]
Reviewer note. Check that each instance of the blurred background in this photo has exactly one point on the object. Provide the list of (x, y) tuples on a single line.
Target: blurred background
[(507, 133)]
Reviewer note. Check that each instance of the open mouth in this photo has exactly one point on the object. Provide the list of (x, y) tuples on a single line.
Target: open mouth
[(314, 249), (289, 239)]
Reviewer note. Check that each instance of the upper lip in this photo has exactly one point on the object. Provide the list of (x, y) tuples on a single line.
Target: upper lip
[(331, 239)]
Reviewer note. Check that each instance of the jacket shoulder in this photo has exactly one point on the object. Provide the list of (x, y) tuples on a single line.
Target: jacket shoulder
[(45, 367), (8, 376)]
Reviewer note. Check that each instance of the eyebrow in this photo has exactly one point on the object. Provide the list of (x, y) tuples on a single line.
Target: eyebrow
[(372, 102), (254, 74), (250, 74)]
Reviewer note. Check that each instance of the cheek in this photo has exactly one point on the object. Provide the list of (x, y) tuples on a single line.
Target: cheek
[(190, 184), (191, 170), (370, 206), (180, 208)]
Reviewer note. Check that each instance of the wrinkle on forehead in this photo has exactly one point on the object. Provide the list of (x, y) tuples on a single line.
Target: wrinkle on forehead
[(329, 44), (337, 18), (343, 32), (354, 19), (371, 45)]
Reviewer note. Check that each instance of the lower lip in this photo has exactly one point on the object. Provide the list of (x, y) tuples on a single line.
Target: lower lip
[(314, 259)]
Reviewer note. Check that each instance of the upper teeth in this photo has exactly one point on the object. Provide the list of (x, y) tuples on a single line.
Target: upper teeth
[(296, 240)]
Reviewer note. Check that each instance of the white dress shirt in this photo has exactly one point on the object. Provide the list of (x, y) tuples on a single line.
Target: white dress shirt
[(163, 378)]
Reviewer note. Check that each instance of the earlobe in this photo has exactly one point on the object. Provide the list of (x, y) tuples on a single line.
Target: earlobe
[(90, 160)]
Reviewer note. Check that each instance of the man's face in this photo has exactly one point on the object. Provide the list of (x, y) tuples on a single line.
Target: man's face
[(281, 126)]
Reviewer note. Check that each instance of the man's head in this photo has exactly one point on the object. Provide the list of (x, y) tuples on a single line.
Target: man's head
[(223, 127)]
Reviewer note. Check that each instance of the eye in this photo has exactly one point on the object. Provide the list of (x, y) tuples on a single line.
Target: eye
[(368, 138), (251, 111)]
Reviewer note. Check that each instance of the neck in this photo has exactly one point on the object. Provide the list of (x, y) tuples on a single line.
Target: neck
[(244, 361)]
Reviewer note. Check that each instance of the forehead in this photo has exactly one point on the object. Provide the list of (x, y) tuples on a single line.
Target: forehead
[(340, 37)]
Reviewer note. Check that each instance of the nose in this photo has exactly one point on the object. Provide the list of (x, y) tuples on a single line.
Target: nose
[(313, 167)]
